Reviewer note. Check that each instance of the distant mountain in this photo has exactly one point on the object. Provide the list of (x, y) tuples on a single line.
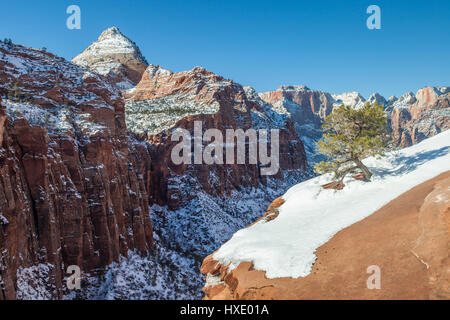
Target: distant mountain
[(412, 117), (115, 56)]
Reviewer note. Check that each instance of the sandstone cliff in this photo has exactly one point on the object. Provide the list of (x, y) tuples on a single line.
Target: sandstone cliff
[(164, 101), (82, 171), (69, 191), (412, 117)]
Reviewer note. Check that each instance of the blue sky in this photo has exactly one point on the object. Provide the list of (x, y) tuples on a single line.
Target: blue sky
[(322, 44)]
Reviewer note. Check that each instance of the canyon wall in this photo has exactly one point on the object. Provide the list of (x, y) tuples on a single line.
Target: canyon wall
[(69, 191)]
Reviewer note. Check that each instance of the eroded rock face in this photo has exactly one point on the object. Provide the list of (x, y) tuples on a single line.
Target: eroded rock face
[(164, 101), (308, 106), (115, 56), (70, 192), (414, 118), (413, 229)]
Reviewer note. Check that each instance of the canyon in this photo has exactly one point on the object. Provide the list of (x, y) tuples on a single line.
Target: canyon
[(87, 177)]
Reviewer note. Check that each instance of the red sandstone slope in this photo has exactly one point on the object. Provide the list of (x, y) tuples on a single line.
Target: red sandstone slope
[(69, 190), (408, 239)]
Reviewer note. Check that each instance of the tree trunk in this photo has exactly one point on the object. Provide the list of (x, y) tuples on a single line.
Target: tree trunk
[(367, 174)]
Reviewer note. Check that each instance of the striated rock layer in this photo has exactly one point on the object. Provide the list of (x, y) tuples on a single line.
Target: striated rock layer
[(412, 117), (408, 239), (115, 56), (164, 101), (70, 193)]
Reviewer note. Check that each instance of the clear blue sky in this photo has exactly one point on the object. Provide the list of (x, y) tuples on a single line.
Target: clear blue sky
[(322, 44)]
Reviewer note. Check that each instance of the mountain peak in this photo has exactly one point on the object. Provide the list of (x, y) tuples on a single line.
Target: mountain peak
[(114, 55), (112, 32), (293, 88)]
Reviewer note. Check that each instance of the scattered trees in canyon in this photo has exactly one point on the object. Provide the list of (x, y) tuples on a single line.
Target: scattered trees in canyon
[(351, 135)]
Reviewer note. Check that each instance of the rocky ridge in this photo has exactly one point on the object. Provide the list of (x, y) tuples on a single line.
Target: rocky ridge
[(116, 175), (164, 101)]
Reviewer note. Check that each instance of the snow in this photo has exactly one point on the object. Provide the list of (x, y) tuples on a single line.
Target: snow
[(156, 115), (33, 282), (311, 215), (57, 120), (3, 220), (107, 53)]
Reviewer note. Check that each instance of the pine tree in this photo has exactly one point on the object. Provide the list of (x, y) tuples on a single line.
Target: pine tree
[(350, 136), (17, 93)]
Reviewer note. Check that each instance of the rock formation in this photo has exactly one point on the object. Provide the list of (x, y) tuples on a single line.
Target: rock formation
[(69, 190), (85, 182), (85, 159), (416, 117), (412, 117), (164, 101), (115, 56)]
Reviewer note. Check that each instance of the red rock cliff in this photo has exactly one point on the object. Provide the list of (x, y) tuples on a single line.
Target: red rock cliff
[(70, 193), (164, 101)]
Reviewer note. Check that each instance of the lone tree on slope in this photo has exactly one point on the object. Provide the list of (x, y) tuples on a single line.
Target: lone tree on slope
[(350, 136)]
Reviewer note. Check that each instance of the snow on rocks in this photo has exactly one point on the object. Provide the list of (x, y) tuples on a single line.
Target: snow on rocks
[(3, 220), (33, 283), (350, 99), (311, 215), (116, 56)]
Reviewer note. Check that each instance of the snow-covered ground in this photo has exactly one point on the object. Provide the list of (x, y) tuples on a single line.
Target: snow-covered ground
[(311, 215)]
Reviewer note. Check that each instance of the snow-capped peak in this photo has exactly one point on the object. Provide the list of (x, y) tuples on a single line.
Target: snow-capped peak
[(376, 97), (111, 32), (354, 99), (113, 54)]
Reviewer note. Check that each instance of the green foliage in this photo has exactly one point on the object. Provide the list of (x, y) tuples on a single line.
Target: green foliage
[(351, 135), (17, 93)]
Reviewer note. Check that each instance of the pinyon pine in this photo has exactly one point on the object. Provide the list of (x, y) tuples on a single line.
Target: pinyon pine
[(350, 135)]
